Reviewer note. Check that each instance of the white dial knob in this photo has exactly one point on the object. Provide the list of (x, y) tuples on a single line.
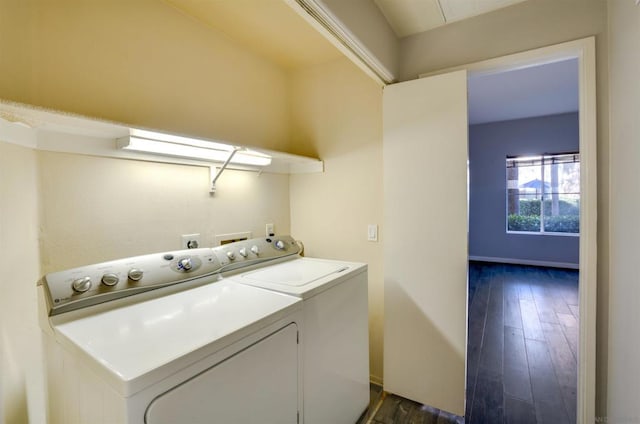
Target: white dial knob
[(243, 252), (279, 245), (110, 279), (81, 285), (255, 250), (185, 264), (135, 274), (231, 255)]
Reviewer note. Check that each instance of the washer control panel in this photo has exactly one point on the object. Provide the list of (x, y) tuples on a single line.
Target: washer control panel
[(89, 285)]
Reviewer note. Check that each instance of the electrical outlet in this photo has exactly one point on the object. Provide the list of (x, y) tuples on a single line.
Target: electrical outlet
[(190, 241), (270, 230)]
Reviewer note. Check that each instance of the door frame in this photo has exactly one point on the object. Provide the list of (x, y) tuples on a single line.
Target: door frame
[(584, 51)]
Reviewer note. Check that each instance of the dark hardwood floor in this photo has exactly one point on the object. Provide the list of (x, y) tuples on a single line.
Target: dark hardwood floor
[(388, 408), (395, 409), (522, 346), (521, 352)]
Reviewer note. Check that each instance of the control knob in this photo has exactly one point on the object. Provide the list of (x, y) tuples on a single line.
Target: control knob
[(185, 264), (279, 245), (135, 274), (231, 255), (81, 285), (110, 279), (243, 252), (255, 250)]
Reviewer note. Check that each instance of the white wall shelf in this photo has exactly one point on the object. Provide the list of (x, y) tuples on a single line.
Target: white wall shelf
[(56, 131)]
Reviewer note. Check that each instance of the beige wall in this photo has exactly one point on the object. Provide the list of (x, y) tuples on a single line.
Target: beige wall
[(97, 209), (521, 27), (21, 387), (143, 63), (624, 345), (337, 114), (518, 28), (16, 60)]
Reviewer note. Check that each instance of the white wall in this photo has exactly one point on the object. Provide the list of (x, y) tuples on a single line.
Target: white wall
[(337, 114), (624, 290), (21, 372), (97, 209)]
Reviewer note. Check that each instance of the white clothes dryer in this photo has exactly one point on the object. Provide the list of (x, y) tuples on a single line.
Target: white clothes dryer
[(166, 338)]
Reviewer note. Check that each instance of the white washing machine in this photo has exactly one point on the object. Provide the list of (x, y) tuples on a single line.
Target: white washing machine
[(335, 338), (165, 338)]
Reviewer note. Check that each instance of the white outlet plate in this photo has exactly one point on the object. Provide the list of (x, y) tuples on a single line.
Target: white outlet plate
[(191, 241), (269, 230)]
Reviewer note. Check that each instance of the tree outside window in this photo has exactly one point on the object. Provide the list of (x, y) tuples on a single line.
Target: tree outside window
[(543, 193)]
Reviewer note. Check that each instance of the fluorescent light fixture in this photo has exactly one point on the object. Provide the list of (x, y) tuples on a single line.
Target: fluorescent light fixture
[(191, 148)]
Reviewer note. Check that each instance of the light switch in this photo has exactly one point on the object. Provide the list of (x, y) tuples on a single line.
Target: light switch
[(372, 232)]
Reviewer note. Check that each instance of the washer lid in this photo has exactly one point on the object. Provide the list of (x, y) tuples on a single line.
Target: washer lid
[(302, 277), (135, 345), (296, 273)]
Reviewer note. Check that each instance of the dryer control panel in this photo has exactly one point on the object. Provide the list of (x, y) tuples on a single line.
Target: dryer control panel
[(93, 284)]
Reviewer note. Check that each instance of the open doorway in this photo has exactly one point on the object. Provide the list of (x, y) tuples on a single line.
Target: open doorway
[(524, 244), (426, 254)]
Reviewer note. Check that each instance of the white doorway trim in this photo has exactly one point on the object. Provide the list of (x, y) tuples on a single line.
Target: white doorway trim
[(584, 51)]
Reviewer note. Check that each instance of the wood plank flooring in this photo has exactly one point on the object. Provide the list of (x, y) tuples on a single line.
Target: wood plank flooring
[(521, 351), (522, 347)]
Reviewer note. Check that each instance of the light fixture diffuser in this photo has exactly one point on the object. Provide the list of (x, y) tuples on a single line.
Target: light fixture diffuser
[(191, 148)]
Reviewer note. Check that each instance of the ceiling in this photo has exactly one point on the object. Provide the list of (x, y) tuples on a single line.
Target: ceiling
[(534, 91), (408, 17)]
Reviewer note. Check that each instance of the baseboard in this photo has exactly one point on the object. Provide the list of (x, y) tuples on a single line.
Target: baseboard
[(525, 262), (375, 380)]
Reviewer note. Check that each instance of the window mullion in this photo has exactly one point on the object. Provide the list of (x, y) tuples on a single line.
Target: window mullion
[(542, 196)]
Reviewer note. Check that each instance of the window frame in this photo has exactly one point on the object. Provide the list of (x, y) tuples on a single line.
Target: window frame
[(541, 232)]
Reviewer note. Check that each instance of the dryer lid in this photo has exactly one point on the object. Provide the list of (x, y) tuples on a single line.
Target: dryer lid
[(135, 345)]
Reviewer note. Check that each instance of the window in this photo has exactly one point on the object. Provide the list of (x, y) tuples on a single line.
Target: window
[(543, 193)]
